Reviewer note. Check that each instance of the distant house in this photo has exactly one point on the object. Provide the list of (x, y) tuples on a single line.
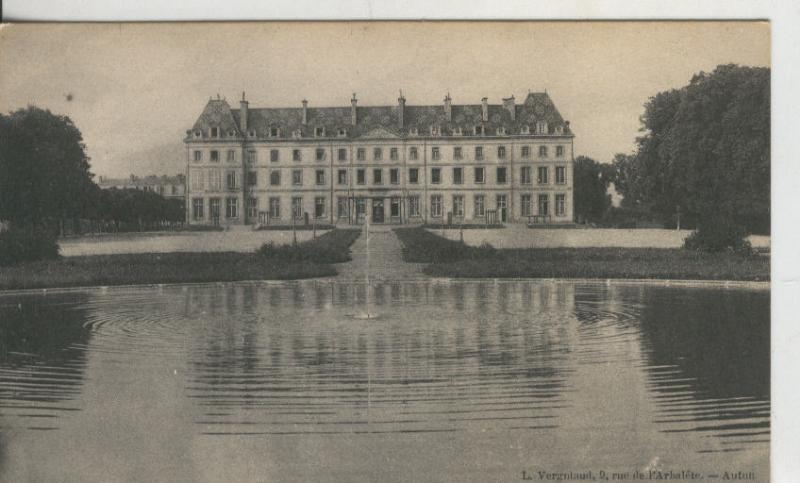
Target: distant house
[(167, 186)]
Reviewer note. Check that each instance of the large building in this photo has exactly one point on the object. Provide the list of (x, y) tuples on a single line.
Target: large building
[(478, 163), (173, 187)]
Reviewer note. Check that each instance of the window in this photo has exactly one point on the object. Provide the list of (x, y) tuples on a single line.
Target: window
[(214, 158), (413, 153), (457, 153), (274, 132), (275, 207), (501, 175), (377, 176), (542, 151), (394, 207), (361, 154), (342, 154), (320, 177), (230, 180), (251, 133), (394, 176), (541, 127), (479, 130), (525, 130), (478, 152), (436, 206), (297, 177), (231, 208), (480, 175), (560, 202), (252, 178), (435, 131), (297, 133), (561, 175), (252, 208), (361, 207), (275, 178), (319, 207), (393, 154), (414, 131), (342, 176), (215, 180), (296, 155), (342, 207), (320, 154), (377, 154), (436, 175), (198, 155), (458, 206), (560, 151), (501, 152), (525, 175), (297, 207), (213, 209), (435, 154), (525, 205), (361, 176), (458, 175), (342, 132), (542, 175), (274, 155), (413, 206), (480, 205), (544, 205), (458, 132), (559, 129), (413, 175), (501, 131), (526, 151), (197, 208), (319, 131), (214, 132)]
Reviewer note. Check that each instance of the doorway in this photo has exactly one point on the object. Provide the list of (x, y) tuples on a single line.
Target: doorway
[(377, 210), (502, 205)]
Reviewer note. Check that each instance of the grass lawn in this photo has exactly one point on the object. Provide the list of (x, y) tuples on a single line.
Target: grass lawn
[(307, 261), (449, 258)]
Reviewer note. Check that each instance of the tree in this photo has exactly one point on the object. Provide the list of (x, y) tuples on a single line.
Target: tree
[(705, 153), (44, 170), (591, 180)]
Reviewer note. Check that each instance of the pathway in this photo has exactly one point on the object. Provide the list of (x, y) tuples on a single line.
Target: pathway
[(385, 258)]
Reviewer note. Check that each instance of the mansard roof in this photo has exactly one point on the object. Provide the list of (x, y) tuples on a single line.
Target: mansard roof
[(370, 119)]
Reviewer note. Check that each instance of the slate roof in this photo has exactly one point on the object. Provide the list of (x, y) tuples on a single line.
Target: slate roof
[(536, 107)]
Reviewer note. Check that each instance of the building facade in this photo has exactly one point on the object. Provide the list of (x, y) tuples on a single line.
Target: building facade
[(173, 187), (481, 163)]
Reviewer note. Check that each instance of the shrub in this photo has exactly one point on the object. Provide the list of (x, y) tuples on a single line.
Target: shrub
[(719, 236), (422, 246), (26, 244), (332, 247)]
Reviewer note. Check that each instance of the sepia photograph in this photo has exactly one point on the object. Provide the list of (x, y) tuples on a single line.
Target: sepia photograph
[(385, 251)]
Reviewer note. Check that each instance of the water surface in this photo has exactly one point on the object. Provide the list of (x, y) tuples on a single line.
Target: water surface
[(455, 381)]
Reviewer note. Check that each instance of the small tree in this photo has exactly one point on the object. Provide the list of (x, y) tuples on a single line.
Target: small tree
[(591, 180)]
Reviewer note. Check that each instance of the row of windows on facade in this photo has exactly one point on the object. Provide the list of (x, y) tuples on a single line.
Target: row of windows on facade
[(413, 206), (541, 127), (479, 176), (377, 154)]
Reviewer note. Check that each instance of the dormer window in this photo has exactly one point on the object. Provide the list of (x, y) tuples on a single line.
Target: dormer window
[(458, 132), (231, 133), (214, 132), (413, 131), (435, 131), (251, 133), (559, 129), (541, 127), (478, 130), (197, 134), (525, 129), (342, 132), (274, 132), (297, 133), (501, 131), (319, 131)]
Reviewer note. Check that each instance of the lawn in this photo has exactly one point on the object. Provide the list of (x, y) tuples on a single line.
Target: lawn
[(450, 258), (313, 258)]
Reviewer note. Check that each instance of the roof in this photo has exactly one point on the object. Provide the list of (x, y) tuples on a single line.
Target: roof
[(141, 181), (379, 120)]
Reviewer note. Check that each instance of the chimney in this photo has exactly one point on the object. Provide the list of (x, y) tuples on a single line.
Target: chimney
[(305, 112), (508, 104), (448, 108), (243, 114), (353, 115), (485, 109), (401, 107)]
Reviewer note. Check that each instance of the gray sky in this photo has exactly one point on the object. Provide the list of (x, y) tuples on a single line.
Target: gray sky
[(136, 88)]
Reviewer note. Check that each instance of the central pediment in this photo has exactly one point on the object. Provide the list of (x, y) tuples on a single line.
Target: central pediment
[(380, 133)]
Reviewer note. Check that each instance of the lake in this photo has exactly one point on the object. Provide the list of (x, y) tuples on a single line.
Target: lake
[(453, 381)]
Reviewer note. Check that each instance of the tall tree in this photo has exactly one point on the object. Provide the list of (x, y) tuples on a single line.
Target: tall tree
[(591, 180), (44, 170)]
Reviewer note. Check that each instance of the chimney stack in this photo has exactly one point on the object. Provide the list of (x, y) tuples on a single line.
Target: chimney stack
[(305, 112), (353, 116), (401, 107), (508, 104), (243, 114), (485, 109), (448, 108)]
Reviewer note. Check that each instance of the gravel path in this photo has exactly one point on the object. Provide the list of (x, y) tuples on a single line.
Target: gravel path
[(385, 259)]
